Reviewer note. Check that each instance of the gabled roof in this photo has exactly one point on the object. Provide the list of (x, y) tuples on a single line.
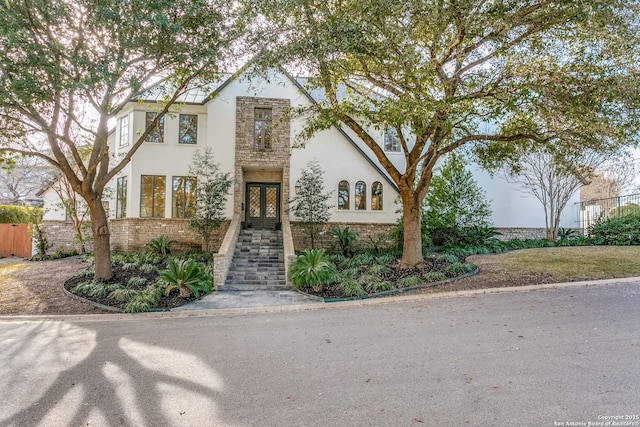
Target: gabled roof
[(203, 92)]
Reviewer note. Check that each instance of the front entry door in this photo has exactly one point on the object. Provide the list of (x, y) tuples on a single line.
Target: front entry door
[(263, 205)]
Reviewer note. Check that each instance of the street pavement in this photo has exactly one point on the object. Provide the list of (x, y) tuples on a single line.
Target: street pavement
[(566, 356)]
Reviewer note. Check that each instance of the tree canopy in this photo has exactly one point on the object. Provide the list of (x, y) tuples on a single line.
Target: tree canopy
[(68, 67), (451, 73)]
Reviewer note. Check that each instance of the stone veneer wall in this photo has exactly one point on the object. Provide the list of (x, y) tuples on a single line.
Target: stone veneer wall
[(521, 233), (131, 234), (61, 235), (248, 158), (326, 240)]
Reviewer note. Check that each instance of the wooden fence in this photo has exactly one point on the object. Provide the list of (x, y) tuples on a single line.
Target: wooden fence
[(15, 240)]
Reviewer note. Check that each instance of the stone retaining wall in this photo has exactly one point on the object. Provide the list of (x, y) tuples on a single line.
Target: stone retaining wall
[(378, 232), (60, 235), (131, 234), (521, 233)]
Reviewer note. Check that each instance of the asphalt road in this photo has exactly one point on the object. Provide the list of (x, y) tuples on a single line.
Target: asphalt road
[(546, 358)]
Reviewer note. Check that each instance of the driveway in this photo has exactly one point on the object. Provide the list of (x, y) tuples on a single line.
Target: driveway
[(543, 358)]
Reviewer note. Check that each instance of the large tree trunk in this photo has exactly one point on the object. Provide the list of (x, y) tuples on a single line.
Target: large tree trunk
[(412, 244), (101, 242)]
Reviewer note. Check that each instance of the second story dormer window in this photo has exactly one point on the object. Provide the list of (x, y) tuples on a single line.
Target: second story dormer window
[(262, 128)]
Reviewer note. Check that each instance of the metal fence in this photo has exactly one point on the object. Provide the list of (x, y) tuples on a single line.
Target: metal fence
[(591, 211)]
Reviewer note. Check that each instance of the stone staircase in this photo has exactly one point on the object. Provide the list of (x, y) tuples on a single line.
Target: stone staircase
[(258, 262)]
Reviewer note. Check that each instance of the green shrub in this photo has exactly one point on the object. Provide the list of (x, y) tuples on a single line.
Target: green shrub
[(312, 269), (10, 214), (375, 287), (94, 288), (351, 288), (146, 299), (345, 239), (137, 282), (148, 268), (363, 259), (377, 269), (448, 258), (188, 277), (350, 272), (407, 282), (435, 276), (454, 204), (130, 266), (123, 294), (459, 268), (366, 279), (616, 231), (385, 259), (160, 245)]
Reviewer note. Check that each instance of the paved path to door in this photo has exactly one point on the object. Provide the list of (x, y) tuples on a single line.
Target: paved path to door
[(248, 299), (545, 358)]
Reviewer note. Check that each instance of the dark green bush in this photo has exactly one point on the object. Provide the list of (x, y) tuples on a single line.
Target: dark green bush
[(616, 231)]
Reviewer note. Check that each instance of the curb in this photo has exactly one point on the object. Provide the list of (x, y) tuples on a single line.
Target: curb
[(309, 307)]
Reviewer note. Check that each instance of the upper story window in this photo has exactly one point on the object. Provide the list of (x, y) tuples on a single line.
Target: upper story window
[(361, 196), (343, 195), (152, 192), (124, 130), (376, 196), (391, 140), (188, 130), (121, 197), (262, 118), (157, 132)]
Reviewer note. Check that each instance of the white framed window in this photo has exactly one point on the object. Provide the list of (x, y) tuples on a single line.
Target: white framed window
[(124, 130), (188, 133), (157, 133)]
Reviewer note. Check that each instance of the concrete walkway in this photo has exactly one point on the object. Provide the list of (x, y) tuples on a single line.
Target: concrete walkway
[(248, 299)]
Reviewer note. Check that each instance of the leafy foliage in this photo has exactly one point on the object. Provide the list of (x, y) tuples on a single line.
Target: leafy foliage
[(310, 204), (448, 258), (10, 214), (90, 62), (454, 204), (616, 231), (375, 287), (459, 268), (435, 276), (346, 239), (160, 245), (352, 288), (211, 195), (377, 269), (407, 282), (146, 299), (187, 276), (562, 73), (312, 269)]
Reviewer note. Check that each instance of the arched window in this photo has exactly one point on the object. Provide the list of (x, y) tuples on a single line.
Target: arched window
[(361, 196), (376, 196), (343, 195)]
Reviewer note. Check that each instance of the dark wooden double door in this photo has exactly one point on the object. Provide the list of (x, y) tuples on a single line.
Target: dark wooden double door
[(263, 205)]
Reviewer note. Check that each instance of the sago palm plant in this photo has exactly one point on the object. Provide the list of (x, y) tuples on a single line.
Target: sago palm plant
[(188, 277), (312, 269)]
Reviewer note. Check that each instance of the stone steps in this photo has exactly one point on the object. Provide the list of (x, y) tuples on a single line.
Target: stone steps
[(258, 262)]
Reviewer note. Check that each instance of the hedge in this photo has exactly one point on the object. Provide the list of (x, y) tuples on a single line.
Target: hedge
[(10, 214)]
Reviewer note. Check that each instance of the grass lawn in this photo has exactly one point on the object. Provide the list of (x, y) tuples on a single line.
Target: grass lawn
[(576, 262)]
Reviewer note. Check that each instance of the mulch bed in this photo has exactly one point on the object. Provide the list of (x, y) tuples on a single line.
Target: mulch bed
[(122, 277)]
